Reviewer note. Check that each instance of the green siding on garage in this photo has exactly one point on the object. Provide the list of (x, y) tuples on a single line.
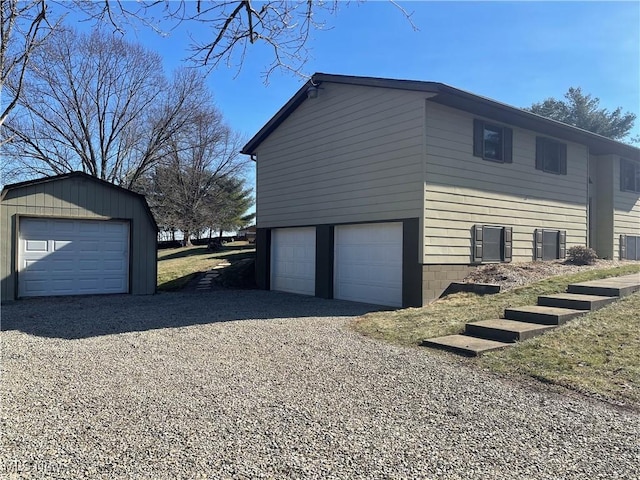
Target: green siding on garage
[(78, 196)]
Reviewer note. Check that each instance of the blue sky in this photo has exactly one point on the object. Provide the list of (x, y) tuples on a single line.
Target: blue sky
[(514, 52)]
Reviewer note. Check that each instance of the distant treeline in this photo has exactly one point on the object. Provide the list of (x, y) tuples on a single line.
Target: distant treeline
[(164, 244)]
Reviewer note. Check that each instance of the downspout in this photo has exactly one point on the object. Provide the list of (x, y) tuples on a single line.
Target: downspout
[(589, 205)]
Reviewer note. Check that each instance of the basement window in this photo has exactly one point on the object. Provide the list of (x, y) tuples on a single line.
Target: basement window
[(629, 176), (492, 142), (492, 244), (551, 156), (550, 244), (629, 247)]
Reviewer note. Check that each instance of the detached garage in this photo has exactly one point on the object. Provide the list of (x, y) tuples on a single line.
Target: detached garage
[(74, 234)]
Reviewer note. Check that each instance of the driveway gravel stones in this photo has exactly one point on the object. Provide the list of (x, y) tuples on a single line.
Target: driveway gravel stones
[(255, 384)]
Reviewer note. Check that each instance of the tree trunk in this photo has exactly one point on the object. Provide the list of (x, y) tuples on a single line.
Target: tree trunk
[(186, 241)]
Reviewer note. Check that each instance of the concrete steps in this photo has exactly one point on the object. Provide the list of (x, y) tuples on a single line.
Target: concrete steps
[(527, 322), (576, 301), (507, 331), (608, 287), (543, 315), (464, 345)]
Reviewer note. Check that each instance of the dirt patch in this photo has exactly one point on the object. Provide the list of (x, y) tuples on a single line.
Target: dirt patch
[(512, 275)]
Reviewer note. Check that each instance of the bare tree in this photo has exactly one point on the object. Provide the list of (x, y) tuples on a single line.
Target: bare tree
[(99, 104), (284, 26), (24, 27), (199, 157)]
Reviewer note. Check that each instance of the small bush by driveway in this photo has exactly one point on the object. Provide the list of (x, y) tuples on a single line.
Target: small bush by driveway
[(254, 384)]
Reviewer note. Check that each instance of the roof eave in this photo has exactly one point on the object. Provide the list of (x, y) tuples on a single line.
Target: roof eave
[(460, 99), (598, 145), (318, 78)]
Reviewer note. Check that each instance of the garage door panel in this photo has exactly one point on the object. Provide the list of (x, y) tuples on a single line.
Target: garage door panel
[(61, 245), (60, 227), (90, 246), (113, 266), (32, 266), (62, 285), (89, 228), (293, 258), (71, 257), (89, 265), (35, 287), (368, 263), (62, 266)]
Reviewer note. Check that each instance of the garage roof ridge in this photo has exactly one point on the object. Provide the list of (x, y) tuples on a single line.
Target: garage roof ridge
[(78, 174)]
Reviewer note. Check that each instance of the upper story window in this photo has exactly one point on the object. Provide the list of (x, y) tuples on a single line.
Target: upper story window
[(492, 142), (551, 156), (629, 176)]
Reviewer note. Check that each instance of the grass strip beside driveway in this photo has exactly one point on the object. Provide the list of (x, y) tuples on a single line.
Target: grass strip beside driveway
[(178, 266), (596, 354)]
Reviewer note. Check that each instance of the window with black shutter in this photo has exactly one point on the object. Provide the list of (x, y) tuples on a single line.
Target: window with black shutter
[(492, 142), (550, 244), (551, 156), (492, 244), (629, 247), (629, 176)]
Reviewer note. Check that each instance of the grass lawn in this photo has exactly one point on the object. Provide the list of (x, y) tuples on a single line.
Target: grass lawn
[(582, 352), (597, 354), (178, 266)]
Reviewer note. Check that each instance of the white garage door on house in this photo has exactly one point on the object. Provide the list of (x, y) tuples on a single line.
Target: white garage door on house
[(72, 257), (293, 260), (368, 263)]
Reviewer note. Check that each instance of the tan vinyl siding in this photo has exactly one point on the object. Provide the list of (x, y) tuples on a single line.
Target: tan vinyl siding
[(84, 199), (626, 210), (601, 173), (354, 154), (462, 190)]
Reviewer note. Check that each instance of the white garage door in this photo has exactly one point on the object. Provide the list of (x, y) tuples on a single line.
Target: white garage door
[(293, 260), (368, 263), (72, 257)]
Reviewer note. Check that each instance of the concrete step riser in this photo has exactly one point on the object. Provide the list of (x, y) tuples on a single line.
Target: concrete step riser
[(463, 345), (604, 291), (449, 348), (588, 305), (541, 318), (501, 335)]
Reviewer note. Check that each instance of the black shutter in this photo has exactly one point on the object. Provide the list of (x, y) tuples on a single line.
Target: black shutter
[(562, 244), (563, 159), (508, 145), (507, 244), (623, 247), (478, 138), (540, 153), (537, 240), (477, 243)]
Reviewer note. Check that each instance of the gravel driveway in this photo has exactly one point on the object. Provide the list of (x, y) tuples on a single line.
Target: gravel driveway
[(254, 384)]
